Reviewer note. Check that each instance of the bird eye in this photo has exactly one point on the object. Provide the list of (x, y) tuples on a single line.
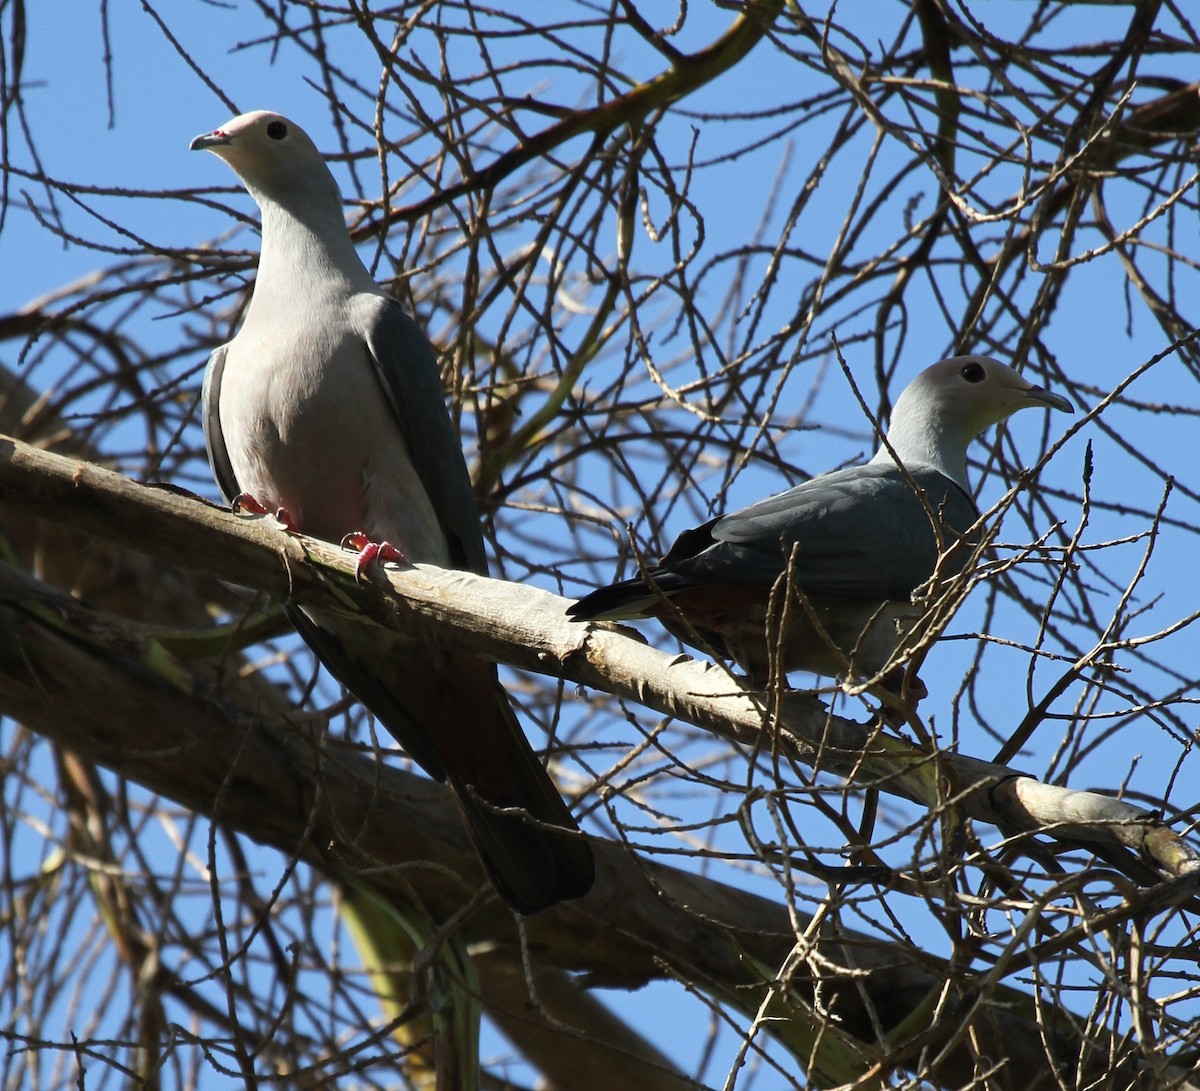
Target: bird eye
[(276, 130), (973, 372)]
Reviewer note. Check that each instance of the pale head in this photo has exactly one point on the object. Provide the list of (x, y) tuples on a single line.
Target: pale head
[(952, 402), (272, 156)]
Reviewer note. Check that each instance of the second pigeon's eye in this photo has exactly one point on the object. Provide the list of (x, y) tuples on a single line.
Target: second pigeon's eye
[(277, 130), (973, 372)]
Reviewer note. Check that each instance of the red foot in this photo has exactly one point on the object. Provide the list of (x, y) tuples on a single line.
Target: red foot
[(893, 682), (245, 502), (371, 553)]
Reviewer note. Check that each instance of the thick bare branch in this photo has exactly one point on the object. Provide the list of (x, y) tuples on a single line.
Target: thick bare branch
[(528, 628), (133, 707)]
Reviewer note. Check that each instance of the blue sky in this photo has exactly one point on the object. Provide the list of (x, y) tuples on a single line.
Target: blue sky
[(159, 103)]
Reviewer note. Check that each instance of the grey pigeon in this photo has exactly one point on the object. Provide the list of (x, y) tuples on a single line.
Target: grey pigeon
[(859, 541), (327, 408)]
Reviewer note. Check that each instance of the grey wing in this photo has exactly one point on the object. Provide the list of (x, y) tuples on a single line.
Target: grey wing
[(858, 533), (214, 437), (407, 369)]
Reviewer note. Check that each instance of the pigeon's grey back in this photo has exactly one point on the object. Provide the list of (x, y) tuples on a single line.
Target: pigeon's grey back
[(870, 532), (409, 376)]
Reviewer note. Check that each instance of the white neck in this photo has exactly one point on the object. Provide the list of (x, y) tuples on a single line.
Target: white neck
[(305, 243), (921, 436)]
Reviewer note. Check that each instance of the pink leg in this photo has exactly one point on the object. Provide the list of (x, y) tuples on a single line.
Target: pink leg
[(893, 682), (245, 502), (371, 553)]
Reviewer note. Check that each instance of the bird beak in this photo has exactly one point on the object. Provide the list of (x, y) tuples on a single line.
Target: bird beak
[(1042, 397), (215, 139)]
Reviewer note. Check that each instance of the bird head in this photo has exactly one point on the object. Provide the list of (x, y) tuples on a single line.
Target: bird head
[(951, 403), (273, 157)]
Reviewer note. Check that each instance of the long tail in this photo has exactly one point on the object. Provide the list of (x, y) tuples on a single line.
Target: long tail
[(629, 599), (452, 716), (527, 839)]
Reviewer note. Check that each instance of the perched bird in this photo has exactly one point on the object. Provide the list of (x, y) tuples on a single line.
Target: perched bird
[(327, 408), (821, 577)]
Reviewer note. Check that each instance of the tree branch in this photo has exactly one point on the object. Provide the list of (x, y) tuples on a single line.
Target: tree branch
[(280, 780), (528, 628)]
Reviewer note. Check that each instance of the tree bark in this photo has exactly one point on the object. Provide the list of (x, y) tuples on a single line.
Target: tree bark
[(527, 627)]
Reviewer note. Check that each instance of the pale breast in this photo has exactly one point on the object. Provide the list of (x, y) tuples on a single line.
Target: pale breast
[(308, 429)]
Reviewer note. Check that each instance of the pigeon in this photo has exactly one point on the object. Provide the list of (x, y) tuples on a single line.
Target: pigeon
[(327, 409), (820, 578)]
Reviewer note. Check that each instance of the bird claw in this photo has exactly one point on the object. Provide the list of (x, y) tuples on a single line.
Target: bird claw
[(902, 703), (247, 503), (371, 553)]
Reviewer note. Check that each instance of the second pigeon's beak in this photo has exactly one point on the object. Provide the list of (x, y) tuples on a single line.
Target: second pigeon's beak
[(215, 139), (1042, 397)]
